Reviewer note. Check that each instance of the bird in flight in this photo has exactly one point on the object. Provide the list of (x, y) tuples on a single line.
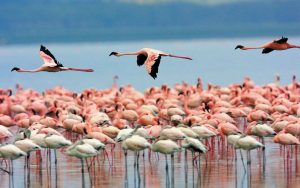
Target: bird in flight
[(278, 44), (150, 57), (50, 64)]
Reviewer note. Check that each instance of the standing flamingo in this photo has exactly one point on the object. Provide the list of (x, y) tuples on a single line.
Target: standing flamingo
[(50, 64), (150, 57), (11, 152), (278, 44)]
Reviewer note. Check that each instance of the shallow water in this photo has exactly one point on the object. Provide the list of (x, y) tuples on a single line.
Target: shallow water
[(214, 60), (218, 168)]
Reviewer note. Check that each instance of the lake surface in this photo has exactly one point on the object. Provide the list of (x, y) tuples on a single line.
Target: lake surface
[(218, 168), (215, 61)]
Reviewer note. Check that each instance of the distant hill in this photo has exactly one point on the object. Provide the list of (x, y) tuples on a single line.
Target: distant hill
[(202, 2), (36, 21)]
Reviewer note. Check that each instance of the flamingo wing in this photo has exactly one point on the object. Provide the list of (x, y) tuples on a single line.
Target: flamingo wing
[(48, 58), (283, 40), (152, 64), (141, 58), (267, 50)]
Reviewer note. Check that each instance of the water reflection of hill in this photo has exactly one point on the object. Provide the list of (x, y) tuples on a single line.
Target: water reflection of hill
[(68, 21)]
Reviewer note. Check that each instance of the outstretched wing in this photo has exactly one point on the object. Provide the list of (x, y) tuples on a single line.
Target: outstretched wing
[(152, 64), (267, 50), (140, 60), (48, 58), (283, 40)]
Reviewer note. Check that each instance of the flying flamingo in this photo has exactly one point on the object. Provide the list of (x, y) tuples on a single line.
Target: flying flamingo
[(278, 44), (50, 64), (150, 57)]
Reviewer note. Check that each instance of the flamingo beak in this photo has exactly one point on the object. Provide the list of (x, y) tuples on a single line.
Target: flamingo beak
[(239, 47), (15, 69), (113, 53)]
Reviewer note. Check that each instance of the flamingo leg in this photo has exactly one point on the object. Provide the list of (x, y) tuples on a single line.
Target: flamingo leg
[(242, 160)]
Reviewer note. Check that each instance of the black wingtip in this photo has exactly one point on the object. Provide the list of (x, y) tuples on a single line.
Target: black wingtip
[(42, 48), (239, 47), (15, 69), (153, 76), (113, 53)]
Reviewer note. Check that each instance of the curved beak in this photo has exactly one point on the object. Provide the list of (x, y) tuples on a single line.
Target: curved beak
[(238, 47), (113, 53), (15, 69)]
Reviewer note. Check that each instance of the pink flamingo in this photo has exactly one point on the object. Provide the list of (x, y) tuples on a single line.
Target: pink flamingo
[(278, 44), (50, 64), (150, 57)]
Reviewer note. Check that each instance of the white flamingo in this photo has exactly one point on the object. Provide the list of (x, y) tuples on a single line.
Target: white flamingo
[(55, 142), (172, 133), (93, 142), (247, 143), (135, 143), (11, 152), (123, 134), (4, 132), (167, 147), (194, 145), (81, 151), (27, 146)]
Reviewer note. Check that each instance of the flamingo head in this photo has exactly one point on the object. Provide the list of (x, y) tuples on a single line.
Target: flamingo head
[(15, 69), (113, 53), (239, 47)]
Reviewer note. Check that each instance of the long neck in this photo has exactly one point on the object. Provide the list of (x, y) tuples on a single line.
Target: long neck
[(251, 48), (129, 53), (115, 85), (185, 105), (34, 70)]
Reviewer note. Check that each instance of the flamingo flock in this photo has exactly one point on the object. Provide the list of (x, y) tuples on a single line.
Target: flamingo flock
[(163, 119)]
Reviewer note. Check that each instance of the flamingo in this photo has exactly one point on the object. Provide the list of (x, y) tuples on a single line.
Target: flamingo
[(11, 152), (284, 138), (278, 44), (4, 132), (93, 142), (165, 147), (27, 146), (194, 145), (50, 64), (124, 133), (135, 143), (55, 142), (172, 133), (247, 143), (81, 151), (187, 131), (150, 57)]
